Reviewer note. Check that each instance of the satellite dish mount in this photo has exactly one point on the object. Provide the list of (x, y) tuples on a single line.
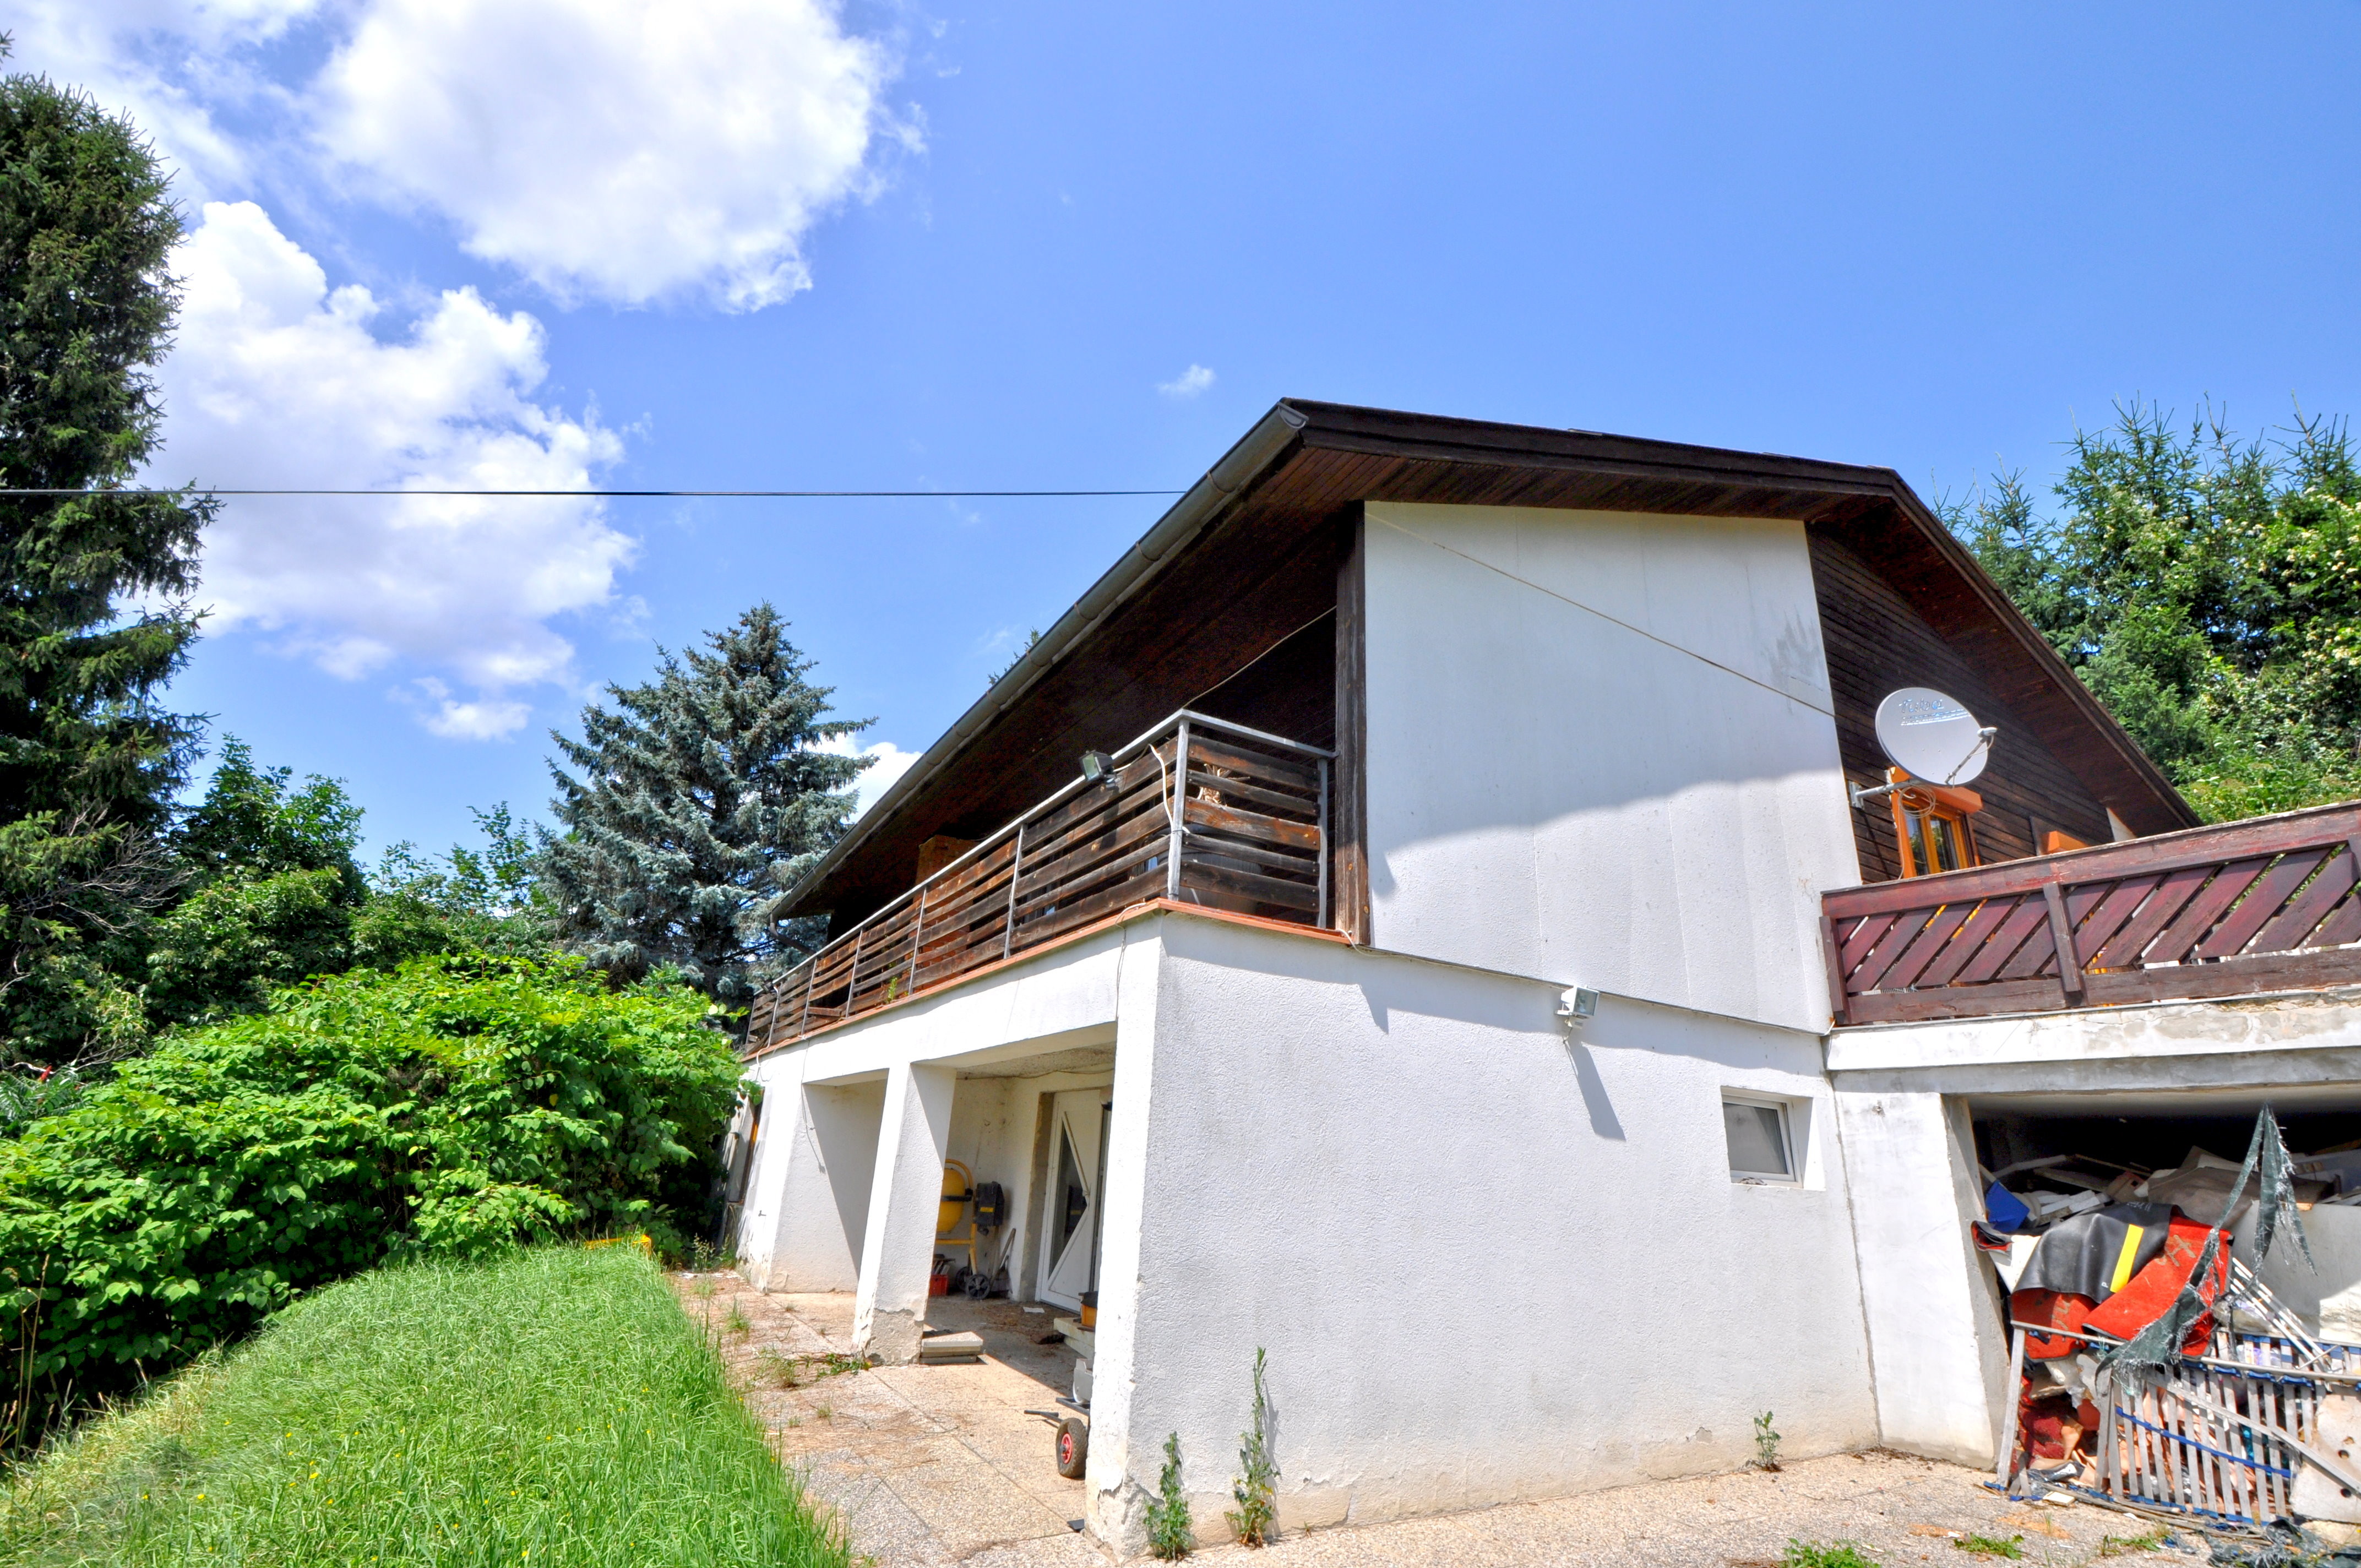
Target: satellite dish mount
[(1930, 737)]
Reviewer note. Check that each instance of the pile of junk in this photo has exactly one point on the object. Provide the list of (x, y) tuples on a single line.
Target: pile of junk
[(2241, 1412)]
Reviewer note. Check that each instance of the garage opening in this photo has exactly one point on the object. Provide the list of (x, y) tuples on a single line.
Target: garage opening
[(2096, 1213)]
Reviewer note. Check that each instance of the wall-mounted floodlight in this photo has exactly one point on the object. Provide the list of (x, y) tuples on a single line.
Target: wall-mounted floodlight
[(1098, 768), (1577, 1005)]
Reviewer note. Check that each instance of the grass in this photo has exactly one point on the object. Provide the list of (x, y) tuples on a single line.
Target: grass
[(2011, 1546), (1825, 1555), (2129, 1545), (551, 1407)]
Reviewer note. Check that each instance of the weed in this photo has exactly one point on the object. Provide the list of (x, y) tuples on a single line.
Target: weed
[(702, 1289), (781, 1369), (1169, 1536), (737, 1323), (824, 1414), (1766, 1443), (1825, 1555), (704, 1257), (2128, 1545), (1255, 1488), (555, 1396), (1992, 1545)]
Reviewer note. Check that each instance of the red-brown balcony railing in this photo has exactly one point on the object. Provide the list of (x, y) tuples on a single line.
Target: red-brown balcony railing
[(1198, 810), (2264, 904)]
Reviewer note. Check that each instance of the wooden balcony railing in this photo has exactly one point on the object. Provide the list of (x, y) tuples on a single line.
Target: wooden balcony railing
[(1198, 810), (2263, 904)]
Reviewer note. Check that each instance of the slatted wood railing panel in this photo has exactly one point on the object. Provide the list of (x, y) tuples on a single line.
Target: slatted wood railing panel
[(1255, 840), (2266, 905)]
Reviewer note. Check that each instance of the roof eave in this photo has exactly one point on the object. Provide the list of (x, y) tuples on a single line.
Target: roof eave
[(1254, 453)]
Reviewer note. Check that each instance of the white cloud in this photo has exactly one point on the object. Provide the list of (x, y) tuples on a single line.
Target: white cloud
[(172, 64), (625, 150), (277, 381), (1187, 384), (888, 762)]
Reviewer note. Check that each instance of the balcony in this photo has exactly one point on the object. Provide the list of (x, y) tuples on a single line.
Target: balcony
[(2266, 905), (1198, 810)]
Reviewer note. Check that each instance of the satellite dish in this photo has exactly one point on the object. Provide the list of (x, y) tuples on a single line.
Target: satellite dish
[(1929, 736)]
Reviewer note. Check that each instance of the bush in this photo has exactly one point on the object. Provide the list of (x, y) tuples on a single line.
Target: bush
[(233, 941), (455, 1107)]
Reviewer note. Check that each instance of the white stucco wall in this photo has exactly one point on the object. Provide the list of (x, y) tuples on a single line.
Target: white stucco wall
[(1937, 1351), (1486, 1263), (1600, 746)]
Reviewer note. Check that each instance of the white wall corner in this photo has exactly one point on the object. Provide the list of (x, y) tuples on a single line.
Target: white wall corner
[(1925, 1291), (1116, 1488)]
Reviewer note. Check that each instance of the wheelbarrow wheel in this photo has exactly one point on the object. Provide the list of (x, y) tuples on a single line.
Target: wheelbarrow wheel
[(1074, 1447)]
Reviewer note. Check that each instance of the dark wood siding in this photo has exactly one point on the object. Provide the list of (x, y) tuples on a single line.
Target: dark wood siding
[(1875, 643)]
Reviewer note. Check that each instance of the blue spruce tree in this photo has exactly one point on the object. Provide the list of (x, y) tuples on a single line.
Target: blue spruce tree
[(693, 805)]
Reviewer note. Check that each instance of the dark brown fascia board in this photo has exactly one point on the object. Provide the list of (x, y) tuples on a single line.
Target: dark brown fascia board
[(1294, 424), (1342, 427)]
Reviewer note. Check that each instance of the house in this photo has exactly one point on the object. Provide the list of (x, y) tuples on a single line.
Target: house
[(1411, 916)]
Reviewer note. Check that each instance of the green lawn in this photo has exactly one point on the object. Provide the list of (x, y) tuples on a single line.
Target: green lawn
[(554, 1408)]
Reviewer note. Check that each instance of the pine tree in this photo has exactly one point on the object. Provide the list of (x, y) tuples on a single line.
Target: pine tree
[(702, 796), (88, 761)]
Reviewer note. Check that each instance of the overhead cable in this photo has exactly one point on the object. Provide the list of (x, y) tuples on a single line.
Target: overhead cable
[(753, 494)]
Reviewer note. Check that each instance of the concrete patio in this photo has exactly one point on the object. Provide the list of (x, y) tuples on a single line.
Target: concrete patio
[(933, 1465)]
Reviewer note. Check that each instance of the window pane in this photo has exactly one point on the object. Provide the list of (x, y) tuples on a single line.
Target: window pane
[(1756, 1146), (1075, 1199)]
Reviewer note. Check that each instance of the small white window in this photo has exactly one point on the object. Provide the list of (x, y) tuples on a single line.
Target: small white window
[(1761, 1147)]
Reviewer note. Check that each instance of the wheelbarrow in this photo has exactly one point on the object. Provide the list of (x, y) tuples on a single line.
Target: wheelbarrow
[(1073, 1436)]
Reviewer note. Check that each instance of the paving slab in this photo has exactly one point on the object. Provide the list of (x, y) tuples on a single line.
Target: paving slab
[(922, 1466), (929, 1466)]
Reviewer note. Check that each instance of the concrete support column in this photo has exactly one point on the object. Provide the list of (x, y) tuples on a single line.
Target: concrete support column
[(1936, 1343), (889, 1309), (1121, 1474)]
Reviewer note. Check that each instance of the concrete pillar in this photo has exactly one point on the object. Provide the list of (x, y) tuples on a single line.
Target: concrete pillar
[(1936, 1345), (1118, 1484), (889, 1309)]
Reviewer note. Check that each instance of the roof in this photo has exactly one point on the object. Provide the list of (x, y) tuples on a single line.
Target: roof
[(1246, 547)]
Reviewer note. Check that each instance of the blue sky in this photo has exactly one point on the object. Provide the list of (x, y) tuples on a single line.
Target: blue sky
[(768, 243)]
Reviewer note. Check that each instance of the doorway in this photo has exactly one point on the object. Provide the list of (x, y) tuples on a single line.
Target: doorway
[(1069, 1218)]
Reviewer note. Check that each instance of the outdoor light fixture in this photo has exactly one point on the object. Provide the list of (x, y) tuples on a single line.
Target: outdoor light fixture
[(1098, 768), (1577, 1005)]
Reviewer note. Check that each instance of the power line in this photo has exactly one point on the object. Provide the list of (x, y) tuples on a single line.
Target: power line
[(688, 495)]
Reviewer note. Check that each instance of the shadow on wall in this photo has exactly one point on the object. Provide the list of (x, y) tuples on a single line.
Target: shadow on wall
[(845, 1124)]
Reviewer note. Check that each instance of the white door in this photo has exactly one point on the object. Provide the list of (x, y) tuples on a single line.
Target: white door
[(1070, 1216)]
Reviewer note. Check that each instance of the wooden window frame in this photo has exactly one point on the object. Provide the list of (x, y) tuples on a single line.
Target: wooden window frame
[(1958, 806)]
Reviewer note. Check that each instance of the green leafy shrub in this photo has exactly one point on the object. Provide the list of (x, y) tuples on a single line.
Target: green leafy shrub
[(1256, 1487), (1169, 1537), (1766, 1443), (232, 942), (456, 1106), (27, 1093)]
